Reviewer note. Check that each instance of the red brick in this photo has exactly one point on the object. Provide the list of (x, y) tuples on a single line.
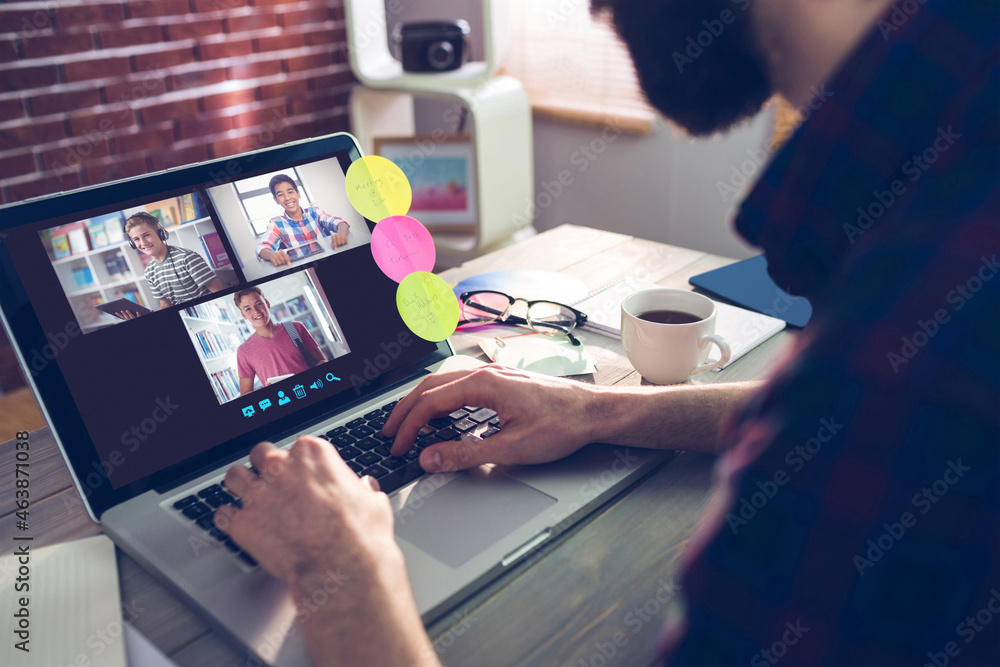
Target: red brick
[(140, 34), (73, 154), (274, 111), (311, 61), (197, 78), (203, 125), (43, 185), (8, 51), (336, 123), (97, 68), (303, 16), (270, 3), (194, 29), (255, 70), (278, 42), (115, 168), (167, 158), (31, 134), (49, 103), (18, 164), (25, 78), (228, 99), (104, 122), (218, 5), (283, 89), (140, 9), (168, 57), (258, 21), (318, 102), (301, 128), (146, 139), (328, 35), (11, 108), (225, 49), (179, 109), (241, 144), (332, 80), (136, 88), (25, 21), (87, 14), (56, 45)]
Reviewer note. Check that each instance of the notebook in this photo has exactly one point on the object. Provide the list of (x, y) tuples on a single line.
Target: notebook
[(148, 437), (66, 611), (742, 329), (747, 283)]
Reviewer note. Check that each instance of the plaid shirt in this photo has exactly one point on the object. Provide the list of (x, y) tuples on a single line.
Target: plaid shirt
[(857, 516), (283, 232)]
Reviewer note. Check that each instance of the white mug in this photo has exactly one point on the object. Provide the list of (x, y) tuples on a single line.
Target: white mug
[(670, 353)]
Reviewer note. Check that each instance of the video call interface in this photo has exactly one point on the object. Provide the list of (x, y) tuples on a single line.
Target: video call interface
[(175, 330)]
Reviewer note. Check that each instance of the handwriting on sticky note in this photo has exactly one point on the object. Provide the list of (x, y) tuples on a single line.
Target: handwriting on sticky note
[(402, 245), (377, 188), (427, 305)]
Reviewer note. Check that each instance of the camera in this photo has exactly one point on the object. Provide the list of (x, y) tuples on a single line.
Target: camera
[(431, 46)]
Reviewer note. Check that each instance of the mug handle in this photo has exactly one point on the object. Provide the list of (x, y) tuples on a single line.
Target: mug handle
[(723, 348)]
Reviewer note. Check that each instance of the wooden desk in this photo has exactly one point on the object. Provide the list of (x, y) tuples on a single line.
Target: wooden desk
[(604, 587)]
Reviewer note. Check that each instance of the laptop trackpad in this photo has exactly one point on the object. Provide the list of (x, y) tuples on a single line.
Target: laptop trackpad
[(466, 515)]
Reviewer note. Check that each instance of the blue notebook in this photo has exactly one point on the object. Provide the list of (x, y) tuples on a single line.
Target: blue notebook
[(747, 284)]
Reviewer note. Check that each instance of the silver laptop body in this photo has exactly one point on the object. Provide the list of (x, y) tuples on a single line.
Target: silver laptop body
[(457, 531)]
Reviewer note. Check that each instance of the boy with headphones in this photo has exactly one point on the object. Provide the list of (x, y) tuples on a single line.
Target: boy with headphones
[(176, 274)]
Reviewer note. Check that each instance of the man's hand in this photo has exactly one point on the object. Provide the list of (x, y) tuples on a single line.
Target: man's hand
[(314, 525), (127, 315), (542, 418)]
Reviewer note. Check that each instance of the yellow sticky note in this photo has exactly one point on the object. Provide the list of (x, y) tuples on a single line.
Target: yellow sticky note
[(427, 305), (377, 188)]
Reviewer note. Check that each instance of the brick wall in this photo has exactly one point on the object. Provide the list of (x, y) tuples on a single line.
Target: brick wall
[(94, 91)]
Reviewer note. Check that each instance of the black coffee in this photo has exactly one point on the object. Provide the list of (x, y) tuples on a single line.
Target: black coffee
[(669, 317)]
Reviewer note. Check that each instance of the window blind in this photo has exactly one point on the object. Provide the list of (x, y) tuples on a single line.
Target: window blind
[(574, 67)]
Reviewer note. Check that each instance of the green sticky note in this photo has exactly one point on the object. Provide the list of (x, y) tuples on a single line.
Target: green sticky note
[(427, 305)]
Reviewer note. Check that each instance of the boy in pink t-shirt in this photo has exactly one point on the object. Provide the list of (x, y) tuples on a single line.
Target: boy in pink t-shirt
[(270, 352)]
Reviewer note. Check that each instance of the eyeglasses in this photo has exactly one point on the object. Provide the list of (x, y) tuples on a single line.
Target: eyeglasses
[(547, 317)]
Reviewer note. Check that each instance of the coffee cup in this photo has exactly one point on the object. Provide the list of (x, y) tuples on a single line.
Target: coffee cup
[(667, 334)]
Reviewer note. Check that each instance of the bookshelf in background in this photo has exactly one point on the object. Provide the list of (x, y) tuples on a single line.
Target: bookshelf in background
[(216, 332), (95, 265)]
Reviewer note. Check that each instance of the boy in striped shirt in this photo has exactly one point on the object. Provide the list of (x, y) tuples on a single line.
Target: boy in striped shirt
[(176, 274)]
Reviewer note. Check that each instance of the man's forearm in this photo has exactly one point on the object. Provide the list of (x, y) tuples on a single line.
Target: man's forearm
[(687, 417)]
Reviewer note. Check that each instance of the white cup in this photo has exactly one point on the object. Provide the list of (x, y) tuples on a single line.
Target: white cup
[(670, 353)]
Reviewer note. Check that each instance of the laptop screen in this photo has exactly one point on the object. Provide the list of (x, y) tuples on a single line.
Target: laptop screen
[(171, 321)]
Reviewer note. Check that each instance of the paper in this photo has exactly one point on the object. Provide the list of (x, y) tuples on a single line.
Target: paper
[(377, 188), (402, 245), (73, 607), (556, 356), (427, 305), (743, 329)]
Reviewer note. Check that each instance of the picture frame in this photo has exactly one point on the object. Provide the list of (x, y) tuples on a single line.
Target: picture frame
[(442, 174)]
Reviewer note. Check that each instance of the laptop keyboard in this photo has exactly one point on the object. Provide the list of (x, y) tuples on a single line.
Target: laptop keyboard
[(365, 450)]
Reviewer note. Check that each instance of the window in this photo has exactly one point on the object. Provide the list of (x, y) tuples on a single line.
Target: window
[(574, 66)]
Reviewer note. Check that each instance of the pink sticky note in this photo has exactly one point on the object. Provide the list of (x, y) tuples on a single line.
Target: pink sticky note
[(402, 245)]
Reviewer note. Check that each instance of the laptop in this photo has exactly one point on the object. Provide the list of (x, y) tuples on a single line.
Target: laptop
[(148, 438)]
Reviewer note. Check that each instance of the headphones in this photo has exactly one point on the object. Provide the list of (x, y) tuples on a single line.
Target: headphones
[(160, 231)]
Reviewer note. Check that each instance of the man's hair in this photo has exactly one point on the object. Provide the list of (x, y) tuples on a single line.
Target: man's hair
[(280, 178), (246, 292), (141, 218), (702, 88)]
